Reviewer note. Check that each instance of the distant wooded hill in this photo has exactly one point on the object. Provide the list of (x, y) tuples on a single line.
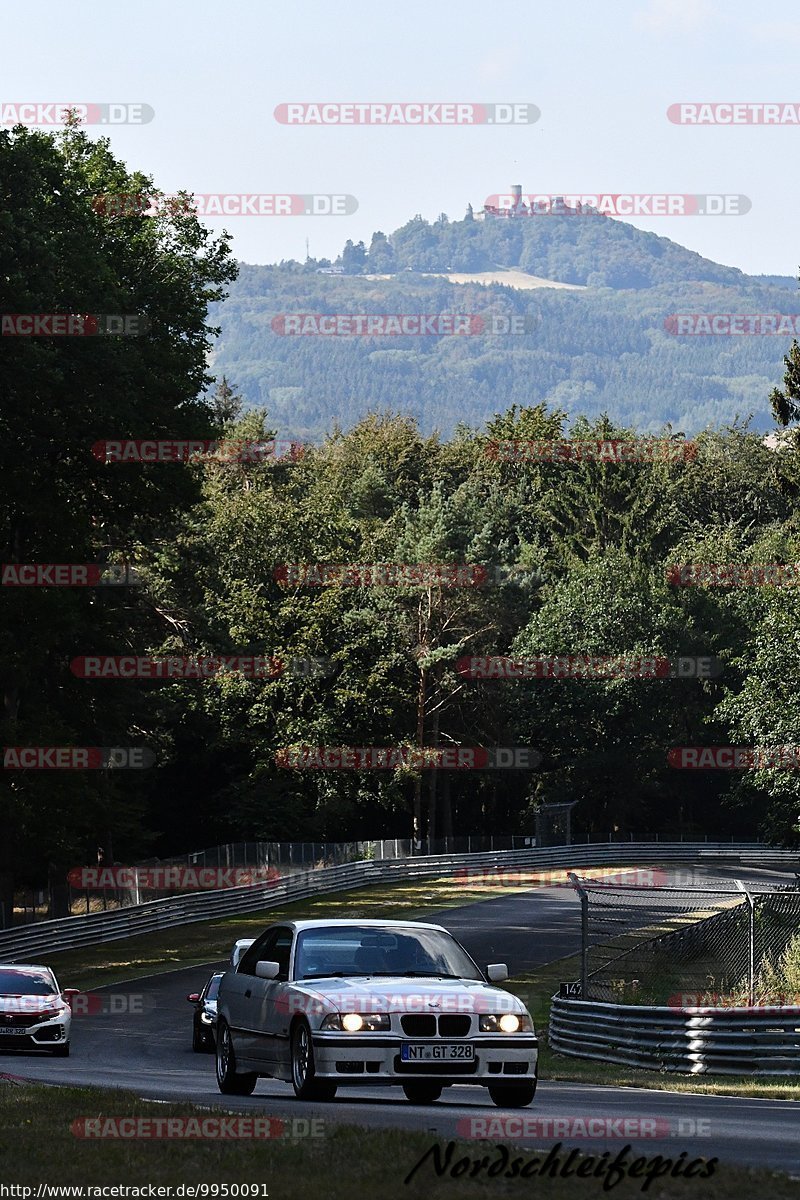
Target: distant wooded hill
[(604, 348)]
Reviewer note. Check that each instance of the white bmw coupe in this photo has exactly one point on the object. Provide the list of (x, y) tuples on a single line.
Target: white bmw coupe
[(324, 1004)]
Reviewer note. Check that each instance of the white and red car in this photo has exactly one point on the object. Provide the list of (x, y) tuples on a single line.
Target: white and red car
[(324, 1004), (34, 1013)]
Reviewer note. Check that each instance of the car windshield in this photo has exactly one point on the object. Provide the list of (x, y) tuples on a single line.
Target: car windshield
[(26, 983), (364, 950), (213, 988)]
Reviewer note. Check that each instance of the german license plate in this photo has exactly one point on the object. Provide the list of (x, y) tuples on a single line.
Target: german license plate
[(433, 1052)]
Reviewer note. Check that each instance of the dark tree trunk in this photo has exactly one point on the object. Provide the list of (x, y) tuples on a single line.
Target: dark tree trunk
[(446, 805), (421, 697), (59, 892), (433, 777), (6, 898)]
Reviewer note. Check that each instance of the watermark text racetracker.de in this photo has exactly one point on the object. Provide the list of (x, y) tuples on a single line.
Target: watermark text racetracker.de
[(198, 1128), (734, 112), (83, 1004), (365, 1006), (732, 324), (617, 204), (68, 575), (174, 669), (225, 204), (391, 758), (170, 878), (786, 1005), (38, 112), (407, 112), (733, 574), (516, 877), (74, 324), (588, 1126), (111, 1004), (588, 666), (77, 758), (577, 450), (735, 758), (182, 450), (380, 325)]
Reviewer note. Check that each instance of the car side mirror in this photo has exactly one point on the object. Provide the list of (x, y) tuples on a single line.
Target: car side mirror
[(497, 972), (68, 993), (193, 997), (267, 970)]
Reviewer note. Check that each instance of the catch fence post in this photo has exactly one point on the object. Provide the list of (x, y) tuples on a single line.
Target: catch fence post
[(751, 939), (583, 896)]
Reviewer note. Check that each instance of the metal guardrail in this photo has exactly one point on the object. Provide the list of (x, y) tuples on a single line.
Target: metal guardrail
[(690, 1041), (69, 933)]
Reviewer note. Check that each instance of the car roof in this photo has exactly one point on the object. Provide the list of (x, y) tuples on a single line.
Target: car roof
[(27, 968), (355, 923)]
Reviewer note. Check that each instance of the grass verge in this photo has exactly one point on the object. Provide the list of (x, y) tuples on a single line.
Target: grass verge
[(37, 1146)]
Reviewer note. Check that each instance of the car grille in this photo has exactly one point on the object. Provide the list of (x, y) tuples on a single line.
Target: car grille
[(18, 1022), (419, 1025), (427, 1025), (454, 1025)]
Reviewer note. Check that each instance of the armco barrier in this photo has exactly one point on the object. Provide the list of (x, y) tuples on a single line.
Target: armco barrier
[(691, 1041), (67, 933)]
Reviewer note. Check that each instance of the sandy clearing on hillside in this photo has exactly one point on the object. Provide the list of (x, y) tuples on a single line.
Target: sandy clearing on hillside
[(508, 277)]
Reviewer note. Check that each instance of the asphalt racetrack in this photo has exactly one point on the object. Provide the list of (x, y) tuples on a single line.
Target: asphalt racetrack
[(149, 1052)]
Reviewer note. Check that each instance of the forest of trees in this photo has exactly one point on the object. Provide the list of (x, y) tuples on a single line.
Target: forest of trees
[(590, 543)]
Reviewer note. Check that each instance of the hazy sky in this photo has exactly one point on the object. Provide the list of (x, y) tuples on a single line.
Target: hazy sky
[(602, 74)]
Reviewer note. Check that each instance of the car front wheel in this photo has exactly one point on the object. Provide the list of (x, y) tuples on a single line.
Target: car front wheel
[(306, 1085), (516, 1095), (229, 1081)]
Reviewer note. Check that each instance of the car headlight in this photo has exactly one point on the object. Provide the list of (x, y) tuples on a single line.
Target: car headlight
[(357, 1022), (206, 1018), (48, 1014), (506, 1023)]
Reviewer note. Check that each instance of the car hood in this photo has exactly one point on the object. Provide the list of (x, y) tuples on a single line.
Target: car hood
[(387, 994), (32, 1004)]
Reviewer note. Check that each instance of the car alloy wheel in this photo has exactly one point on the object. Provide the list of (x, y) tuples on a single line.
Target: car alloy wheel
[(306, 1085), (229, 1082)]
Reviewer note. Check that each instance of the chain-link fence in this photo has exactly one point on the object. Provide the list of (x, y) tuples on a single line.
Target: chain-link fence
[(685, 945), (111, 886), (260, 862)]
